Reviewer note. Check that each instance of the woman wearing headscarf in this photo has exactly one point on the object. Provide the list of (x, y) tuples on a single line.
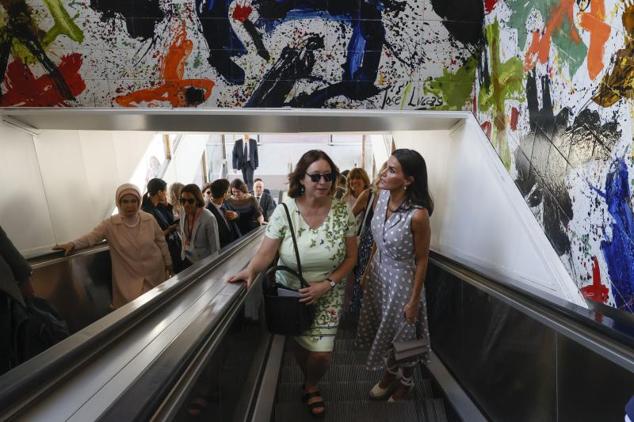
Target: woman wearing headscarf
[(139, 254), (155, 203)]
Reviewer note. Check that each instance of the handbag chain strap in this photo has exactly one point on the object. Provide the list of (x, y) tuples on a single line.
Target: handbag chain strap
[(404, 324), (290, 225)]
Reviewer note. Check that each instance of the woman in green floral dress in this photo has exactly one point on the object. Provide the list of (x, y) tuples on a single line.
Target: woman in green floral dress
[(325, 232)]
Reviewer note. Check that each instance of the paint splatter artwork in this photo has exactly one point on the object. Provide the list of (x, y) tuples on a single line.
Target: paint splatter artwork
[(562, 125), (239, 53), (550, 81)]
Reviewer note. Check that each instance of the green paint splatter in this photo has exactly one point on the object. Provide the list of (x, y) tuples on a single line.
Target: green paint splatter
[(454, 88), (570, 51), (406, 92), (198, 60), (506, 83), (63, 25)]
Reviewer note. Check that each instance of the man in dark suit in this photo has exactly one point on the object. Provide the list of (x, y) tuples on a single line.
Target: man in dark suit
[(227, 229), (264, 198), (245, 158)]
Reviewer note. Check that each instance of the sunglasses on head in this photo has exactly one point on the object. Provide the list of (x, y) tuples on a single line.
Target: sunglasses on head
[(328, 177), (188, 200)]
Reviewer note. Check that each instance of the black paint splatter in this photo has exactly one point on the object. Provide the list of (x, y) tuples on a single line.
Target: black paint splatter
[(21, 27), (292, 65), (464, 19), (141, 16), (553, 148), (194, 96)]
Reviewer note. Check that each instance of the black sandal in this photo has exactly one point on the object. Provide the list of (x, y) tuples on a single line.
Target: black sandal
[(318, 404)]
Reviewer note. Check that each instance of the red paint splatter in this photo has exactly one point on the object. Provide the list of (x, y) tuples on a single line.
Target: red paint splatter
[(489, 5), (515, 114), (487, 128), (241, 13), (596, 292), (25, 90)]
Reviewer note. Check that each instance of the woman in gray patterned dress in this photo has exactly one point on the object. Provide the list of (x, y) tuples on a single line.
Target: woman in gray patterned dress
[(393, 306)]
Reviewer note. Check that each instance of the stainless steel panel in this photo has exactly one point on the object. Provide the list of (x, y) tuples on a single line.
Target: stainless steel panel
[(235, 120), (505, 360), (78, 286), (590, 388)]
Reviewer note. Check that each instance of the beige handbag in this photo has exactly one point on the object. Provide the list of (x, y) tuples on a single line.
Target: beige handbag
[(408, 351)]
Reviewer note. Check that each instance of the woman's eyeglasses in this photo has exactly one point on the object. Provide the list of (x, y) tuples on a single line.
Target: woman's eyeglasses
[(188, 201), (328, 177)]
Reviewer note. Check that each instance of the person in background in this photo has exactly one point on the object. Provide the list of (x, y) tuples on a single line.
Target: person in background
[(356, 182), (394, 306), (138, 251), (15, 285), (249, 212), (155, 203), (207, 193), (340, 187), (245, 158), (227, 229), (263, 198), (174, 200), (328, 250), (363, 210), (198, 226)]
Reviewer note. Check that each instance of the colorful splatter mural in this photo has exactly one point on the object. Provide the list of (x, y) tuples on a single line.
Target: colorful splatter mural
[(571, 145), (550, 81)]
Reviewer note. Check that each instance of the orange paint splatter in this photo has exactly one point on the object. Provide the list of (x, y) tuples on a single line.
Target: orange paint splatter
[(540, 46), (177, 91), (599, 34)]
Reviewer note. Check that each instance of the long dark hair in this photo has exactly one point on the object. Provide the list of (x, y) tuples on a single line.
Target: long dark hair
[(413, 165), (295, 189), (154, 186)]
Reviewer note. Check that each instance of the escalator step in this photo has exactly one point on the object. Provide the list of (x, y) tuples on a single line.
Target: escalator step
[(433, 409), (336, 373), (346, 357), (347, 411), (339, 391)]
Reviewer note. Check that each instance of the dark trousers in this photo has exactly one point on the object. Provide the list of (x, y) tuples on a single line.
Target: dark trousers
[(247, 176)]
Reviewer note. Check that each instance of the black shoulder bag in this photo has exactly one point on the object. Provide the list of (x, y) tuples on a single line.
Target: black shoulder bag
[(285, 314)]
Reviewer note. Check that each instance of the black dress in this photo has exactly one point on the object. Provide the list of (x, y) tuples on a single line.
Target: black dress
[(248, 213), (165, 218)]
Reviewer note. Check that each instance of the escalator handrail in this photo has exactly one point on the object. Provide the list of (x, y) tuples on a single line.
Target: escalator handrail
[(160, 380), (581, 325), (26, 382)]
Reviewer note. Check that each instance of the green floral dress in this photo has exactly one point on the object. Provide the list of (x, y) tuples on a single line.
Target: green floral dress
[(321, 251)]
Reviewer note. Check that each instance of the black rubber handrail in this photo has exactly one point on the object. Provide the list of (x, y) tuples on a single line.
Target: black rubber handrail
[(23, 384), (574, 321)]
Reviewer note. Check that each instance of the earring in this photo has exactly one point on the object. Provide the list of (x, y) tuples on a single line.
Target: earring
[(301, 189), (405, 187)]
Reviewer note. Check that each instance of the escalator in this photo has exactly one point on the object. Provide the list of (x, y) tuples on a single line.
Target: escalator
[(196, 348)]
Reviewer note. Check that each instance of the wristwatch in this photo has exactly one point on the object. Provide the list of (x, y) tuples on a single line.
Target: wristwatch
[(331, 282)]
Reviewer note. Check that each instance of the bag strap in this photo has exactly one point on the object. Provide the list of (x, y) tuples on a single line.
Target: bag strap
[(290, 225), (405, 324)]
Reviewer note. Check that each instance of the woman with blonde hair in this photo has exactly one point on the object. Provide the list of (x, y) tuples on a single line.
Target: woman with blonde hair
[(174, 200), (139, 254)]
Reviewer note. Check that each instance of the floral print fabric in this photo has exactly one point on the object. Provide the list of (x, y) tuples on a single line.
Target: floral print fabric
[(321, 250)]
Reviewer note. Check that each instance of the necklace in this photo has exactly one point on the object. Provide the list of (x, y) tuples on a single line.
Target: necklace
[(136, 222), (397, 208)]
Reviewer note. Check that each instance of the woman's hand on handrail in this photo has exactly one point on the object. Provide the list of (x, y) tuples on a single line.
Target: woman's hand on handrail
[(68, 248), (247, 275)]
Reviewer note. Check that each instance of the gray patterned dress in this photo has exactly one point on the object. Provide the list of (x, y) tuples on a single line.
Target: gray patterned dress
[(390, 285)]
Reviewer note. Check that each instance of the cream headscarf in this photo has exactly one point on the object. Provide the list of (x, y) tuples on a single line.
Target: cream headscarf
[(128, 189)]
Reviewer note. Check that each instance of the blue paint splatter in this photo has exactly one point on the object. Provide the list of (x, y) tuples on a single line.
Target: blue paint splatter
[(619, 252)]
